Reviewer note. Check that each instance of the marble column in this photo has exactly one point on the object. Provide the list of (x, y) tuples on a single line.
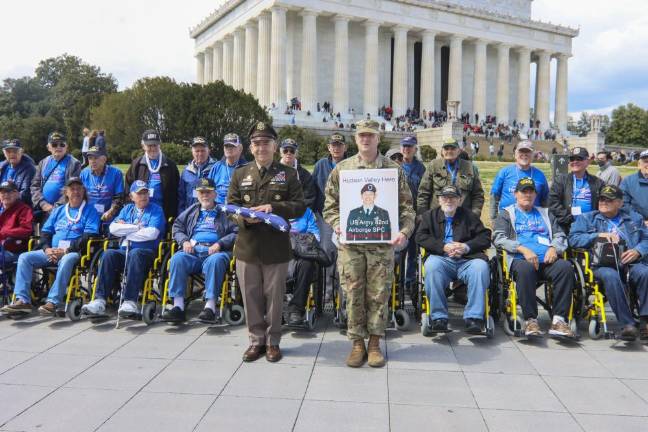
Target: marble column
[(291, 68), (543, 79), (251, 38), (341, 66), (263, 65), (479, 82), (560, 115), (523, 86), (410, 72), (207, 76), (238, 60), (371, 86), (278, 58), (455, 74), (427, 71), (200, 68), (502, 94), (217, 60), (399, 86), (308, 77), (227, 59)]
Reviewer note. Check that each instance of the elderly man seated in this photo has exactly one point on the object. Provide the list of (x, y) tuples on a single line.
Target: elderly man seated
[(534, 240), (140, 226), (206, 237), (611, 223), (455, 240)]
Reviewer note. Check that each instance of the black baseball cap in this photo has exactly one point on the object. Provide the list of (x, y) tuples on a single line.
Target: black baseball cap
[(199, 141), (205, 184), (611, 192), (96, 151), (337, 138), (55, 137), (74, 180), (524, 184), (12, 144), (450, 191), (150, 137), (8, 186), (579, 153)]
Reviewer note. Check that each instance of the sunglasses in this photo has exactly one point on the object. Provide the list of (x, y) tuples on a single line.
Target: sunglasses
[(288, 150), (397, 158), (58, 144), (576, 159)]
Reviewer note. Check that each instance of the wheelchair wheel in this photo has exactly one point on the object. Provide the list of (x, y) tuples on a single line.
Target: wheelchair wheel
[(595, 329), (311, 320), (573, 325), (148, 314), (490, 327), (73, 311), (426, 329), (507, 325), (235, 315), (401, 320)]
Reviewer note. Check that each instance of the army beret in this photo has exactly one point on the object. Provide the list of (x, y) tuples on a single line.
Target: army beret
[(369, 187)]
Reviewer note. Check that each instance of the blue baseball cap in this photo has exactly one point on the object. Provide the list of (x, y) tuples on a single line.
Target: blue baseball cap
[(138, 186), (289, 142), (409, 141)]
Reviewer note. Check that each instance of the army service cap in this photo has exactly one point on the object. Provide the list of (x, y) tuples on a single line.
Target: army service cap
[(611, 192), (369, 187), (525, 183), (262, 129), (368, 126), (450, 191)]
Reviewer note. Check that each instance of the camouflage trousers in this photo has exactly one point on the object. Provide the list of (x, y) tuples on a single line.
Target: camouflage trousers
[(366, 273)]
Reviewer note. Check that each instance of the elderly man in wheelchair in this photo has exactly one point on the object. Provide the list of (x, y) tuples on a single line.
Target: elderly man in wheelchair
[(206, 237), (534, 241), (618, 245)]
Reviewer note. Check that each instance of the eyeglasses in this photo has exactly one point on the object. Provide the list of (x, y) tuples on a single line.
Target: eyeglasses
[(58, 144), (288, 150)]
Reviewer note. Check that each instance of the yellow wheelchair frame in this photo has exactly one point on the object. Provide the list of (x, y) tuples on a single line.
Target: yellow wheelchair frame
[(231, 311), (399, 316), (424, 303)]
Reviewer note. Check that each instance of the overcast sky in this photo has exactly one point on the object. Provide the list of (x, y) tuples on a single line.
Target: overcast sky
[(132, 39)]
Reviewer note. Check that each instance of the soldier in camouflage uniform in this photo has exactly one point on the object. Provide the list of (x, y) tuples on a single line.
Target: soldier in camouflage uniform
[(366, 270)]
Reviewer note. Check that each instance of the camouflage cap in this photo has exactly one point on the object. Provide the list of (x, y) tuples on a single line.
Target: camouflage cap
[(368, 126)]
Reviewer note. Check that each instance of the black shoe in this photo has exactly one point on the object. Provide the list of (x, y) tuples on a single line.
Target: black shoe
[(295, 318), (208, 316), (174, 315), (629, 333), (474, 326), (440, 325)]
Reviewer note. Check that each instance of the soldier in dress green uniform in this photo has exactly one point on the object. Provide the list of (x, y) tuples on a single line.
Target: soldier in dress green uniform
[(366, 270), (368, 222)]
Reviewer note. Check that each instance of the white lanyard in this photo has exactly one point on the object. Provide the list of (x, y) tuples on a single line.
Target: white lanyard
[(77, 218), (148, 163), (99, 186)]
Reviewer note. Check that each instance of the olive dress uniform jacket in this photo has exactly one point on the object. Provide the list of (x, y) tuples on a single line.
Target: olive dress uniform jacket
[(259, 243), (437, 177)]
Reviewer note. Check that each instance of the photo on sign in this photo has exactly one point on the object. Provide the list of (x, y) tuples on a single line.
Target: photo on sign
[(368, 205)]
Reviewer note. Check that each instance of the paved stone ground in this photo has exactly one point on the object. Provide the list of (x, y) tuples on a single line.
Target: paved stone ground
[(61, 376)]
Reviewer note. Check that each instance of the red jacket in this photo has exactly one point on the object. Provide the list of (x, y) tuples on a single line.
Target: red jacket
[(16, 224)]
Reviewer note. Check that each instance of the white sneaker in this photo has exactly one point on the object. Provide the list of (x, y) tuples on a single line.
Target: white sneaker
[(128, 308), (95, 307)]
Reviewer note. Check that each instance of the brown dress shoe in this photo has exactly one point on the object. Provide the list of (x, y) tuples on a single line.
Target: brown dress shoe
[(253, 353), (273, 353)]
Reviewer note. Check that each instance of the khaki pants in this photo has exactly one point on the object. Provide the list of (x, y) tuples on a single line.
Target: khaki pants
[(366, 273), (263, 287)]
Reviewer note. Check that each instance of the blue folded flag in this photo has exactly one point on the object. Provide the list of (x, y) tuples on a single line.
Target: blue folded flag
[(276, 222)]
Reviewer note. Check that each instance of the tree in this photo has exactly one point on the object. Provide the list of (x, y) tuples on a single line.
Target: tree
[(583, 125), (629, 126)]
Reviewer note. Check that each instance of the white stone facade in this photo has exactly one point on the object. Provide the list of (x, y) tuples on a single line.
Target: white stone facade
[(340, 51)]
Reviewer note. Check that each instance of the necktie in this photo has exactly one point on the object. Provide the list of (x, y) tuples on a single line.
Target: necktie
[(262, 172)]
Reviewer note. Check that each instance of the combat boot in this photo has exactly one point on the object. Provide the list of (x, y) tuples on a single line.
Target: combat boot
[(376, 358), (358, 354)]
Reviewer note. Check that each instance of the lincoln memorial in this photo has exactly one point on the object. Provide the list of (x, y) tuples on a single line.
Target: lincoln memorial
[(363, 54)]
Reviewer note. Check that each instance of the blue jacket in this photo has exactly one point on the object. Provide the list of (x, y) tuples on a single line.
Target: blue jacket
[(587, 226), (414, 173), (305, 224), (321, 171), (221, 174), (635, 194), (186, 221), (190, 175), (24, 174)]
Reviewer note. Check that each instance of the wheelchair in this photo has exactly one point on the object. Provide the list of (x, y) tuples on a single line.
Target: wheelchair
[(340, 318), (502, 280), (315, 300), (7, 278), (591, 305), (230, 303), (399, 317), (491, 305)]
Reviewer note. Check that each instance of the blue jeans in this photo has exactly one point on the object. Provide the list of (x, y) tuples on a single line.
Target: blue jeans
[(212, 266), (37, 259), (112, 264), (440, 271), (616, 294)]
